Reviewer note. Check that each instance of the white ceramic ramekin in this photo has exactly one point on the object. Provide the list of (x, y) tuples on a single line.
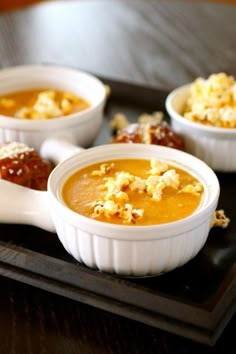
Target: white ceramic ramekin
[(79, 128), (213, 145), (118, 249)]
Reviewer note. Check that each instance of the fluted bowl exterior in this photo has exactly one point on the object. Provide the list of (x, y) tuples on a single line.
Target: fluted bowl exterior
[(213, 145), (79, 128), (133, 250)]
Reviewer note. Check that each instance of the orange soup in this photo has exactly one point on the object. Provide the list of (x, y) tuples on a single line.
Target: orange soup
[(132, 192), (41, 104)]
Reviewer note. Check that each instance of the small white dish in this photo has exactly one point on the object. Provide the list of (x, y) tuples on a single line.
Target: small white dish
[(77, 129), (213, 145), (117, 249)]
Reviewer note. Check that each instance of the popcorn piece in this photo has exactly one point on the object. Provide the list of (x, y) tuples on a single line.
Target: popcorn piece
[(158, 167), (66, 106), (112, 186), (219, 219), (138, 185), (155, 187), (170, 179), (151, 182), (120, 181), (123, 179), (130, 215), (156, 184), (108, 208), (196, 188), (157, 192), (137, 214), (118, 122), (24, 113), (104, 169), (120, 197), (46, 105), (67, 102)]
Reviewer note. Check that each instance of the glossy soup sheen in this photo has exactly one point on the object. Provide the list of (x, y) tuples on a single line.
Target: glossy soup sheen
[(27, 99), (81, 189)]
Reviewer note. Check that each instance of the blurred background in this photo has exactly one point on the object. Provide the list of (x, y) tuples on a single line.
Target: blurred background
[(157, 43)]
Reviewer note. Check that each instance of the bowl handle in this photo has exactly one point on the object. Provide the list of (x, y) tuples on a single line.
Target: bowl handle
[(21, 205), (58, 149)]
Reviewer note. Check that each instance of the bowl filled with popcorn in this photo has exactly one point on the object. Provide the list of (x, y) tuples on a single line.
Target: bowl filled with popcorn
[(126, 209), (204, 114), (58, 106)]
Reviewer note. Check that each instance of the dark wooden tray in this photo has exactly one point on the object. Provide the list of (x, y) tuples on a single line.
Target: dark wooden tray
[(195, 301)]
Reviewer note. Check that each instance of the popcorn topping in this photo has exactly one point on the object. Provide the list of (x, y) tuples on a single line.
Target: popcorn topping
[(115, 201), (48, 106), (41, 104), (213, 101)]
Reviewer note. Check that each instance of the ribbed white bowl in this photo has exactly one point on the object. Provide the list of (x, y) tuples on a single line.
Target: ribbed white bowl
[(79, 128), (132, 250), (213, 145)]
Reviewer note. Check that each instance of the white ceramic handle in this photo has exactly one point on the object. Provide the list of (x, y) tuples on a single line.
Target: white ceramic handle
[(58, 149), (21, 205)]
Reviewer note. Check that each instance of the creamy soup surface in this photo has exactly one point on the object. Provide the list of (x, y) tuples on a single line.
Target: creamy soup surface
[(41, 104), (132, 192)]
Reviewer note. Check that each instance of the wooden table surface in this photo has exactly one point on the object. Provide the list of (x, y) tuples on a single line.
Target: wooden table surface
[(153, 43)]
